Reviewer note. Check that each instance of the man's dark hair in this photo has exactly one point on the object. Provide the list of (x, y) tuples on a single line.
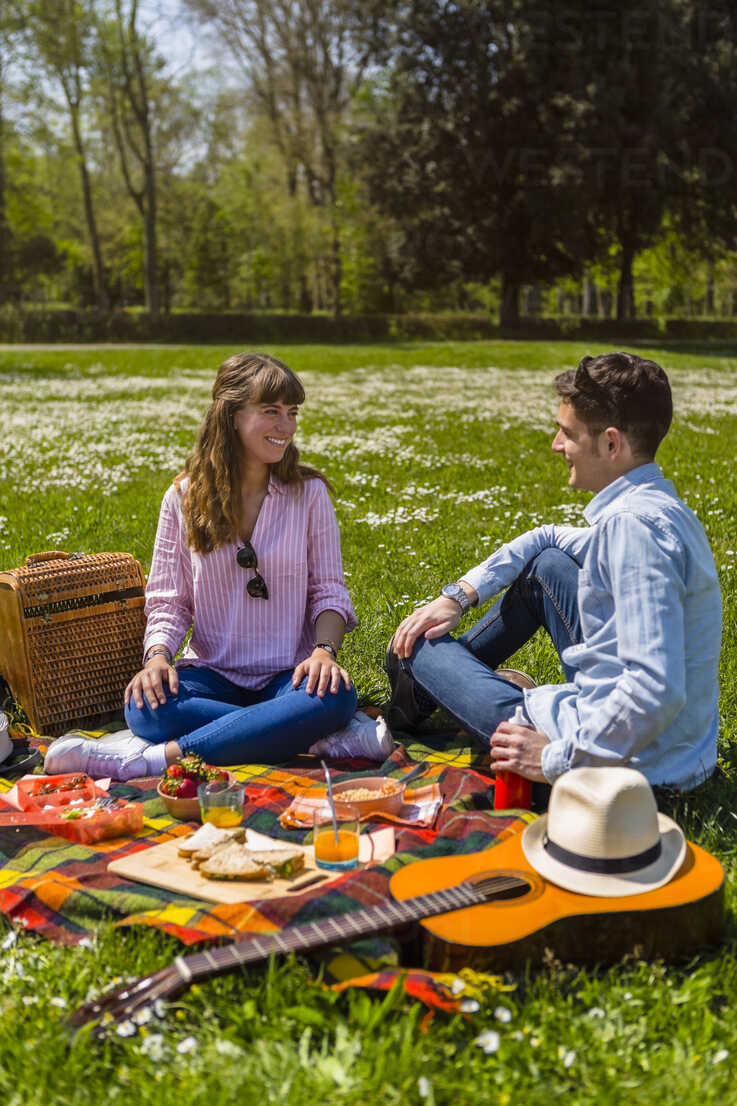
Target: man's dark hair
[(622, 390)]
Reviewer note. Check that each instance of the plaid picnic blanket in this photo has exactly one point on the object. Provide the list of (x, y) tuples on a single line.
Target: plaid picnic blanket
[(63, 891)]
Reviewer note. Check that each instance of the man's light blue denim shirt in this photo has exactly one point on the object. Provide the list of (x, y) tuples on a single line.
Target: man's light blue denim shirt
[(645, 691)]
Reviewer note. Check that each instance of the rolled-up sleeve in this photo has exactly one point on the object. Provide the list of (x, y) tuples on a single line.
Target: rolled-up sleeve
[(506, 563), (326, 590), (169, 603)]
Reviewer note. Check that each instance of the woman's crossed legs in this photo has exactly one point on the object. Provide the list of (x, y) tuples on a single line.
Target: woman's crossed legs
[(227, 724)]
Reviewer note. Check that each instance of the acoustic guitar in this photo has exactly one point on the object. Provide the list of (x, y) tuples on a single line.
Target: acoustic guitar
[(674, 921), (489, 910)]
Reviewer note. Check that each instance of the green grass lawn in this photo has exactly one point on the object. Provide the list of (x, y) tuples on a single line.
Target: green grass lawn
[(437, 453)]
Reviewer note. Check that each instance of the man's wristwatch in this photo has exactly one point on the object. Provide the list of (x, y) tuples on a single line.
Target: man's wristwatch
[(455, 591), (329, 647)]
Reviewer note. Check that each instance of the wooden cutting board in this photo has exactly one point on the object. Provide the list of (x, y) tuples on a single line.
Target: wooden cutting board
[(161, 866)]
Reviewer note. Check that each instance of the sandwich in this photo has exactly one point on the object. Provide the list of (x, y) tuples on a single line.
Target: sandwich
[(284, 863), (233, 861), (205, 835)]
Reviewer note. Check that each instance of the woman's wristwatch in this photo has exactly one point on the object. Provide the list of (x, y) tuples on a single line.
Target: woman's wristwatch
[(154, 651), (329, 647)]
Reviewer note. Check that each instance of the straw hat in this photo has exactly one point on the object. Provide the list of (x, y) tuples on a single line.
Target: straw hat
[(603, 835)]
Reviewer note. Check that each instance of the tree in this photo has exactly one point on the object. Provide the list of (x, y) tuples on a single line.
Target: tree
[(703, 210), (61, 33), (469, 145), (208, 273), (128, 68), (305, 59), (630, 72), (10, 24), (5, 234)]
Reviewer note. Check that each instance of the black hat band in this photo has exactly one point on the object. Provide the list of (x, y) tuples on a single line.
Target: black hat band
[(603, 865)]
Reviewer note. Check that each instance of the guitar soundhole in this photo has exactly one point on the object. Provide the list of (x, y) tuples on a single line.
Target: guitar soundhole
[(501, 886), (514, 892)]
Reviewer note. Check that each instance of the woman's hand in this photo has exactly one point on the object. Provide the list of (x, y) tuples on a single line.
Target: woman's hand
[(433, 620), (322, 672), (149, 683)]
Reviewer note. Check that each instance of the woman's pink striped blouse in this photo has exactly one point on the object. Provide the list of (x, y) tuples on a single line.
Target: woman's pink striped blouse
[(247, 640)]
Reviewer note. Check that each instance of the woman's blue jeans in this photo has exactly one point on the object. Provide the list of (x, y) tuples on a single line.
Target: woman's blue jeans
[(227, 724), (457, 674)]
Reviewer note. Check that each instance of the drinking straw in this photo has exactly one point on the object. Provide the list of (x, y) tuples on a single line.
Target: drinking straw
[(330, 799)]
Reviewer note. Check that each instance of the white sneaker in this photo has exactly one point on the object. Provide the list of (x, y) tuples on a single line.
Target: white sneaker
[(119, 755), (363, 737), (6, 745)]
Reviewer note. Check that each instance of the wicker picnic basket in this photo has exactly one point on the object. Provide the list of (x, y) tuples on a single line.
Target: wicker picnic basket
[(71, 634)]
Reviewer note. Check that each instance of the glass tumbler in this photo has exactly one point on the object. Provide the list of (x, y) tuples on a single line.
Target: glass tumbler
[(336, 853), (221, 802)]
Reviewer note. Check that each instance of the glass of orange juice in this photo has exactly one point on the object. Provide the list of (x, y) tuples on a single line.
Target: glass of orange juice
[(221, 802), (341, 853)]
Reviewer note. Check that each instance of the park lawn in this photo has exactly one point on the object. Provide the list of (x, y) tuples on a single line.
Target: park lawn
[(437, 453)]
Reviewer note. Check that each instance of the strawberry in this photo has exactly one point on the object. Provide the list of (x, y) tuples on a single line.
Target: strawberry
[(192, 766), (187, 789), (175, 772), (213, 773)]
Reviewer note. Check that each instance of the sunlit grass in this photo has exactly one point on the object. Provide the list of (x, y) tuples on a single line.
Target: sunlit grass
[(437, 454)]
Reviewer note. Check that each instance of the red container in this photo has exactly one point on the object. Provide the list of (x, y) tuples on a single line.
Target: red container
[(512, 792), (41, 792)]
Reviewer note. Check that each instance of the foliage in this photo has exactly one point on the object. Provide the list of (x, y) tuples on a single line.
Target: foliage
[(65, 325), (469, 154), (408, 156)]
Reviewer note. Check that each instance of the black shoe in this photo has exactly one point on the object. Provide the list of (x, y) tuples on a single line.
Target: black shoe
[(403, 711)]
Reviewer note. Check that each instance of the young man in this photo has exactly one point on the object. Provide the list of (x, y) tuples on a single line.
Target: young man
[(631, 602)]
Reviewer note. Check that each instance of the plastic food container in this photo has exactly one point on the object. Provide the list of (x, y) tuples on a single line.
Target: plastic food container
[(40, 792), (85, 823), (123, 821)]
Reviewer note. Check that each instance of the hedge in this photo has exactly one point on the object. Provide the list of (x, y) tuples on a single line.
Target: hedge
[(63, 325)]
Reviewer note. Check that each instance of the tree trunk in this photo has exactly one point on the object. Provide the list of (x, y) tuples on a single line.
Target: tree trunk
[(5, 235), (98, 272), (589, 297), (150, 250), (509, 307), (534, 301), (337, 276), (336, 273), (709, 306), (626, 285)]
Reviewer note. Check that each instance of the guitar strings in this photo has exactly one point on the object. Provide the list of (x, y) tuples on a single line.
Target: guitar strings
[(146, 991)]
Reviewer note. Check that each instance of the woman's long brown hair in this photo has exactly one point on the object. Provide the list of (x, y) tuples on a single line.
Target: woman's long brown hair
[(212, 504)]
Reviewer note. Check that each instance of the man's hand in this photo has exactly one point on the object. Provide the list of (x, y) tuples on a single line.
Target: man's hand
[(516, 748), (433, 620)]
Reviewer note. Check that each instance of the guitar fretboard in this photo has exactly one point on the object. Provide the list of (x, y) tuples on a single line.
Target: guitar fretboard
[(349, 926)]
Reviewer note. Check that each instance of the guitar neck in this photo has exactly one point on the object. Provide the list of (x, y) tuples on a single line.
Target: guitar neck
[(349, 926)]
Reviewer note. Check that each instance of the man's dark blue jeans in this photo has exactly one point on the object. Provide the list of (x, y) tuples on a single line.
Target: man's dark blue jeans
[(458, 674)]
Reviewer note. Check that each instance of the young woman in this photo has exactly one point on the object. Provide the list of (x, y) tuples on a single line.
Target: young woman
[(247, 555)]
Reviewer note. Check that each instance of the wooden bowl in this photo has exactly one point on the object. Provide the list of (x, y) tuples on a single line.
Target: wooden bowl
[(384, 804), (186, 810)]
